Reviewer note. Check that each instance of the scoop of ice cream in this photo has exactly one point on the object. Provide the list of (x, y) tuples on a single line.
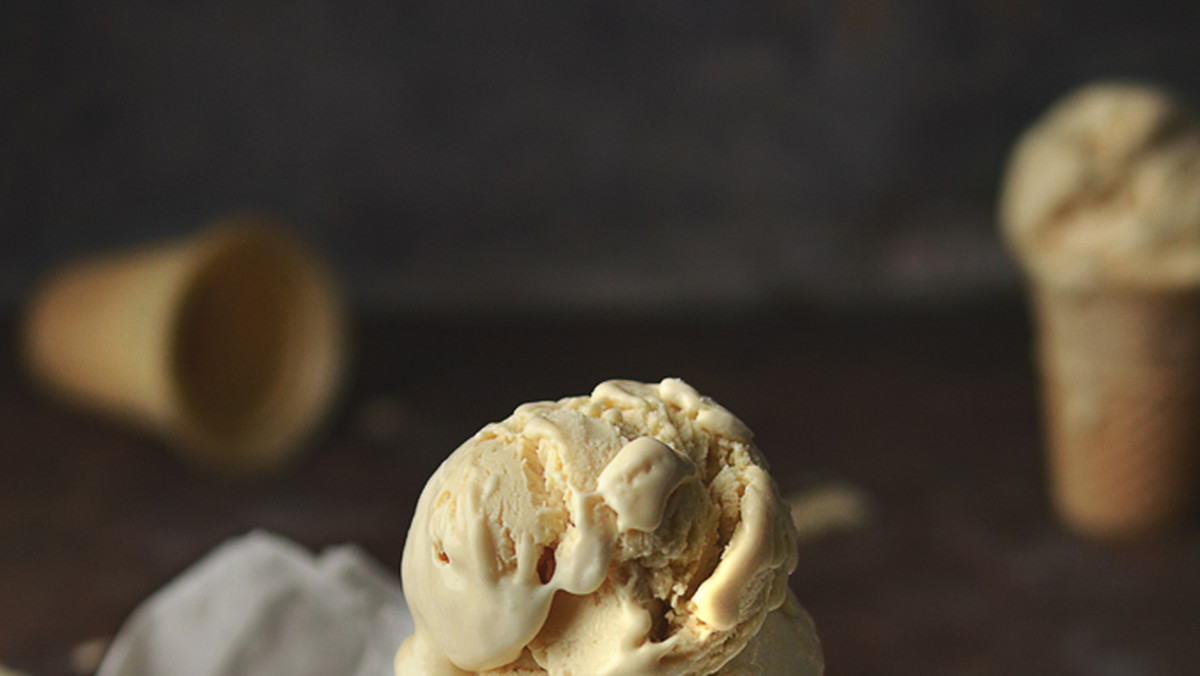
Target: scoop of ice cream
[(632, 531), (1105, 188)]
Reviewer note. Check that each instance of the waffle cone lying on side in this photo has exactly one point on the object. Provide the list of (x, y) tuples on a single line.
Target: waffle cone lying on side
[(1101, 204), (632, 531), (228, 343)]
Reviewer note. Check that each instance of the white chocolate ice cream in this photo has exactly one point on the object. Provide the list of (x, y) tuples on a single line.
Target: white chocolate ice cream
[(1105, 189), (633, 531)]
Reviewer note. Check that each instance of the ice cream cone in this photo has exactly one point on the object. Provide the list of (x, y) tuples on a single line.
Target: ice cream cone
[(229, 344), (1101, 204), (1121, 381)]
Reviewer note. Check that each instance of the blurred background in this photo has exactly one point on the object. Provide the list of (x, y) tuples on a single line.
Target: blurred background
[(600, 156), (789, 203)]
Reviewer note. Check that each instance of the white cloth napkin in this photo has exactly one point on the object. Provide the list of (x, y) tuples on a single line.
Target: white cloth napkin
[(260, 605)]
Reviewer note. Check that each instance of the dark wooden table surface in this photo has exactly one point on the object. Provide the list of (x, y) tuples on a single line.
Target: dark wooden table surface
[(930, 412)]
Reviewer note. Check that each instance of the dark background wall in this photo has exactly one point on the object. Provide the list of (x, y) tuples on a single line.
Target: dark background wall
[(649, 155)]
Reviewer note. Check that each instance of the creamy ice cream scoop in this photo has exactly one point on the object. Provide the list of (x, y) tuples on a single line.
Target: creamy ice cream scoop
[(1105, 189), (632, 531)]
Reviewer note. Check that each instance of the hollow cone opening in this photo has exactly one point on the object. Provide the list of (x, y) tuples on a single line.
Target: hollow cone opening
[(256, 349)]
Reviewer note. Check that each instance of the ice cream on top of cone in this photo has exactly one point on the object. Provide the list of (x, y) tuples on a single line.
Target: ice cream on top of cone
[(1105, 189), (632, 531)]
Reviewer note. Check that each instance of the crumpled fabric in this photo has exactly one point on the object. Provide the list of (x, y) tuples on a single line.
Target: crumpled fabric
[(261, 605)]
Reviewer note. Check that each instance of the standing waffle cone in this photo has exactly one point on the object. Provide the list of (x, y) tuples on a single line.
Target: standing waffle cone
[(228, 344), (1101, 205), (1121, 379)]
